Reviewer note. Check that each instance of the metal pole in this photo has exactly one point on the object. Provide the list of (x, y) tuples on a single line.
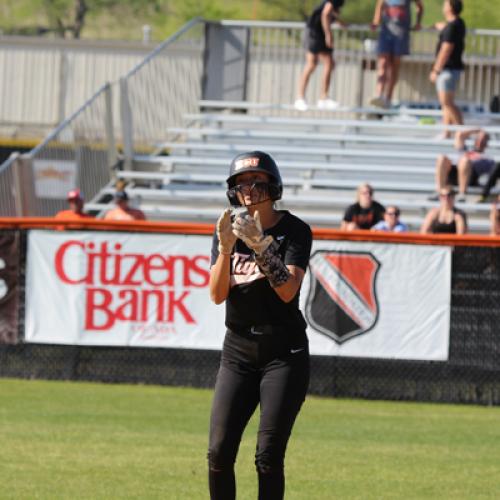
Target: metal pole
[(19, 200), (110, 134), (63, 85), (127, 126)]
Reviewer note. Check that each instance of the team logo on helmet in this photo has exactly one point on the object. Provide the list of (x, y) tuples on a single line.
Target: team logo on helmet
[(246, 162), (342, 301)]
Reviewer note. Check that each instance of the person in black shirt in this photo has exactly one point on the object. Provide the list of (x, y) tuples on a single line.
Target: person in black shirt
[(319, 46), (365, 213), (448, 65), (445, 218), (259, 258)]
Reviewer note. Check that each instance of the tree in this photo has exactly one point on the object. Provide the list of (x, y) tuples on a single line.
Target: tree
[(65, 16), (68, 16)]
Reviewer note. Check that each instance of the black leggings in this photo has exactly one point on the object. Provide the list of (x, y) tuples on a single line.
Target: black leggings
[(492, 180), (253, 370)]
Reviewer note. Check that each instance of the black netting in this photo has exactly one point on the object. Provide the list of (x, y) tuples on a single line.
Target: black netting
[(471, 375)]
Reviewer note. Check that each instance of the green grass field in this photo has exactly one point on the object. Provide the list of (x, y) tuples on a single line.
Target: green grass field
[(80, 440)]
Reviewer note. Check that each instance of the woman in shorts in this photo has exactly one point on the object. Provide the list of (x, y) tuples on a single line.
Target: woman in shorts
[(448, 66)]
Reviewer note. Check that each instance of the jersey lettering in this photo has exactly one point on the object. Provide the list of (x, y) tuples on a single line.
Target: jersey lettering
[(244, 269)]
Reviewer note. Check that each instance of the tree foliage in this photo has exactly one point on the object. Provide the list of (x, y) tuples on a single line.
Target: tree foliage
[(124, 18)]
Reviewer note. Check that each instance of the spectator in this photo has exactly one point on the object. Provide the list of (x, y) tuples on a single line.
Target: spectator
[(448, 65), (319, 47), (123, 211), (391, 221), (445, 218), (394, 19), (490, 183), (470, 166), (76, 202), (365, 213), (495, 217)]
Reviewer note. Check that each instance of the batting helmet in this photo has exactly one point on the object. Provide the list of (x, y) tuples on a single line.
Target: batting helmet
[(254, 161)]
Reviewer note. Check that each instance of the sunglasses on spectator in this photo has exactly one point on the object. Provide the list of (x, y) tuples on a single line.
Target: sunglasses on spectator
[(392, 213)]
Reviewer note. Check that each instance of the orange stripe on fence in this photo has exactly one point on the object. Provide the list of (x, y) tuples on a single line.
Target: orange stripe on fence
[(206, 228)]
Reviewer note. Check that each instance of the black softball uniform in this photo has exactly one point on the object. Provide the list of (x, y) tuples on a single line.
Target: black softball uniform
[(265, 360)]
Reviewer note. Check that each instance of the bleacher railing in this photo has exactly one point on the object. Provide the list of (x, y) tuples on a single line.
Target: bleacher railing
[(277, 58)]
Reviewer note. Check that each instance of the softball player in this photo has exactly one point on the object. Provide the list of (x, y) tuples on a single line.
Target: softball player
[(259, 258)]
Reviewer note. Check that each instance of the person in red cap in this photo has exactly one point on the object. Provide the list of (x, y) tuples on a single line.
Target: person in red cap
[(75, 211)]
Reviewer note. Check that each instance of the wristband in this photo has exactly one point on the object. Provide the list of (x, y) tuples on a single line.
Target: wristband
[(271, 265)]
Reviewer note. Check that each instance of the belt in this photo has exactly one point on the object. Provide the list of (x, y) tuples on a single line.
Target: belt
[(258, 330)]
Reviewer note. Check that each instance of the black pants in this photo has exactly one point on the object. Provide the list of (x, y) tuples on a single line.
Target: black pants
[(492, 180), (255, 369)]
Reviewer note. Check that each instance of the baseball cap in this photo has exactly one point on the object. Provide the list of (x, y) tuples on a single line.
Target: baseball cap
[(74, 194), (121, 195)]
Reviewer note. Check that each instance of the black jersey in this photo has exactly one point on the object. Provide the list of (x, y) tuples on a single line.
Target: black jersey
[(251, 300), (365, 218), (454, 33), (314, 20)]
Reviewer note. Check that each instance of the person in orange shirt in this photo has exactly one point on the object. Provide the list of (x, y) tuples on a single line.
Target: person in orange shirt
[(76, 201), (122, 210)]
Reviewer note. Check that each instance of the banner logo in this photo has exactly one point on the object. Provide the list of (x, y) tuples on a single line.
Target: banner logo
[(342, 301), (123, 286)]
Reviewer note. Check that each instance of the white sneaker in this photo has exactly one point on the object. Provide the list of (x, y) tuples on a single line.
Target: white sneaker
[(329, 104), (379, 102), (300, 105), (440, 137)]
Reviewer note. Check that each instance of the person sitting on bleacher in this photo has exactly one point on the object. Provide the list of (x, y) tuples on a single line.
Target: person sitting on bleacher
[(471, 165), (446, 218), (123, 211), (391, 221), (365, 213), (75, 209)]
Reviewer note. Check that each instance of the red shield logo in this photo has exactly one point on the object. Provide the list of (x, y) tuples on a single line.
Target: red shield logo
[(342, 301)]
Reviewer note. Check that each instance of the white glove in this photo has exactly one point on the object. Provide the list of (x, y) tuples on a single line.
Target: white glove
[(225, 233), (249, 230)]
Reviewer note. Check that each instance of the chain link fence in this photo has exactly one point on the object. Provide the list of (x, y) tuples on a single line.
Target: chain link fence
[(470, 375)]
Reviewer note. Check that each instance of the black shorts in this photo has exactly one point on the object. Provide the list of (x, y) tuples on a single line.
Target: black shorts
[(453, 177), (315, 42)]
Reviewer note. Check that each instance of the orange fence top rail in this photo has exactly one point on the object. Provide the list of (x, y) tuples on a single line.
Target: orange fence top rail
[(207, 229)]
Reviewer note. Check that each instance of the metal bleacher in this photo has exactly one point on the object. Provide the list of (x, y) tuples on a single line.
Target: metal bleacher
[(322, 161)]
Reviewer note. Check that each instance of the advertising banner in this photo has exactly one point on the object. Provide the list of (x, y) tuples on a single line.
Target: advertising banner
[(54, 178), (376, 300), (121, 289), (9, 286), (360, 299)]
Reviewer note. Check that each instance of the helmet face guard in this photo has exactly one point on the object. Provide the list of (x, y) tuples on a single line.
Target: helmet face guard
[(255, 161), (266, 191)]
